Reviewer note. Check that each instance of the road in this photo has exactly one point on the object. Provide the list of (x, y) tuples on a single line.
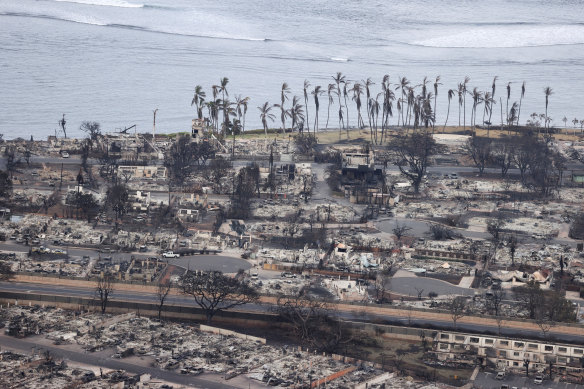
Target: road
[(25, 346), (488, 381), (370, 313)]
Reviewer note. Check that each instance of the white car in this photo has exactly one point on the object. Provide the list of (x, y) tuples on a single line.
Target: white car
[(65, 154), (538, 380), (170, 254)]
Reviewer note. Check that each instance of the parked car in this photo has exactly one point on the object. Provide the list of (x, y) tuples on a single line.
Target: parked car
[(500, 375), (65, 154), (170, 254), (538, 380)]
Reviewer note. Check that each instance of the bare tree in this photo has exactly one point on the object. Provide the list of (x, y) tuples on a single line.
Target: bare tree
[(162, 290), (457, 308), (92, 129), (499, 319), (440, 232), (5, 271), (104, 290), (400, 230), (479, 150), (213, 291), (495, 300), (380, 287), (313, 321), (414, 153), (419, 292)]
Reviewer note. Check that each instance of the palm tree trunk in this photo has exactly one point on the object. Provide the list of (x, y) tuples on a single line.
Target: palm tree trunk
[(519, 112), (328, 114), (307, 119), (347, 109), (464, 108), (447, 114)]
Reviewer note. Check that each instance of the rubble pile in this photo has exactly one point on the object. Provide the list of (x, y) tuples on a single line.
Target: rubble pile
[(43, 372), (24, 321), (293, 367)]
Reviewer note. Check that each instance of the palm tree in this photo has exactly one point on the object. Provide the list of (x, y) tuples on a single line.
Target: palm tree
[(339, 79), (266, 115), (240, 103), (375, 113), (223, 89), (368, 84), (520, 101), (565, 120), (411, 101), (402, 84), (489, 101), (228, 110), (306, 86), (426, 114), (399, 107), (575, 123), (346, 88), (423, 84), (198, 100), (330, 91), (548, 92), (215, 89), (388, 97), (508, 97), (460, 100), (285, 91), (451, 93), (476, 101), (357, 92), (316, 92), (493, 89), (296, 112), (436, 83), (464, 84), (213, 108), (244, 103)]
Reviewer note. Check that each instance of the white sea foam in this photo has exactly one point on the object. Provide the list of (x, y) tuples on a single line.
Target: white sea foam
[(509, 36), (105, 3), (339, 59)]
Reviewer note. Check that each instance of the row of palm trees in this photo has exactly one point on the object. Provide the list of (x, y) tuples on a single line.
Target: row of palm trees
[(413, 104), (235, 110)]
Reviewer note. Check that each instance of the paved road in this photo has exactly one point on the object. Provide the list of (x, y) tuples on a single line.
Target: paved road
[(488, 381), (410, 285), (25, 346), (344, 313)]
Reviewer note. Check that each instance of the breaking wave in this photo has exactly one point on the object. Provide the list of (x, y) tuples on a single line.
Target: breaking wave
[(93, 21), (506, 36), (104, 3)]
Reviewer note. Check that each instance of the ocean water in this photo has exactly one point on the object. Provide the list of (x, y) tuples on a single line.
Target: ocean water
[(115, 61)]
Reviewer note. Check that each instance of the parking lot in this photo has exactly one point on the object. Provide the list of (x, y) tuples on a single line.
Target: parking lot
[(488, 381)]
